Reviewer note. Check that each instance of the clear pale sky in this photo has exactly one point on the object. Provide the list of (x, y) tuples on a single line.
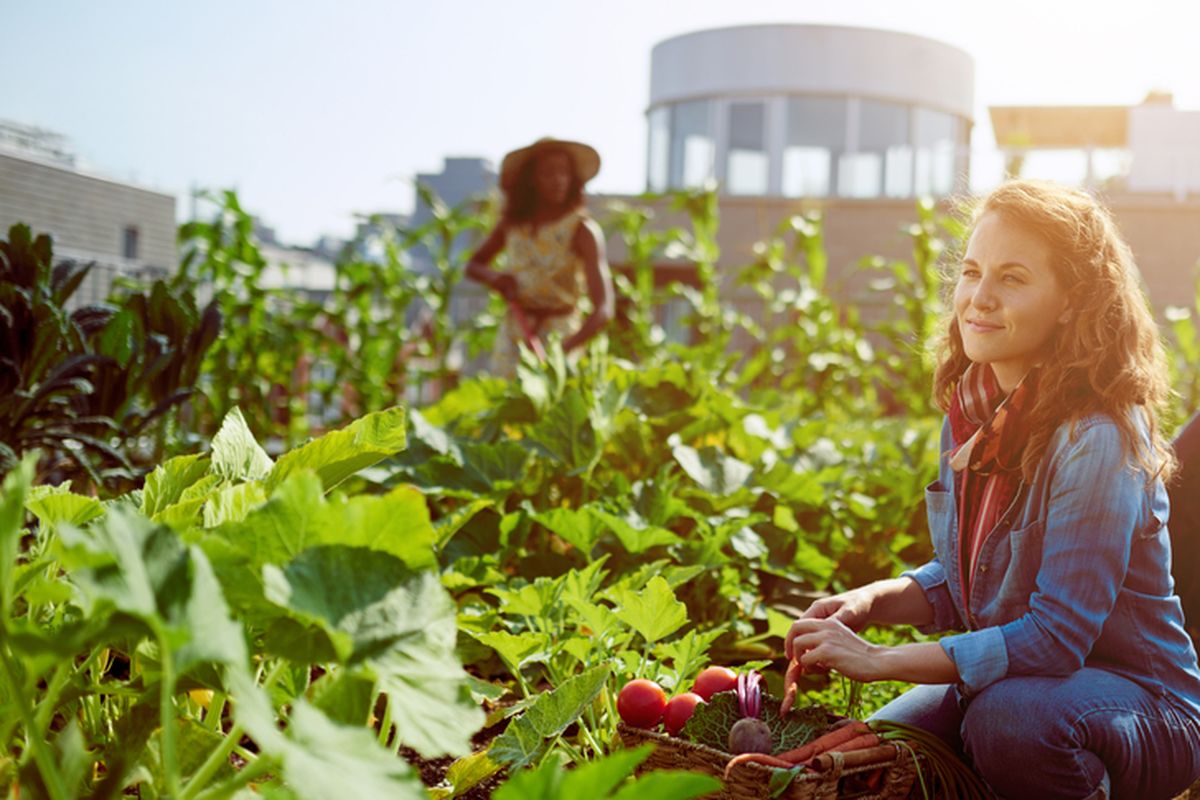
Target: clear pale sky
[(316, 111)]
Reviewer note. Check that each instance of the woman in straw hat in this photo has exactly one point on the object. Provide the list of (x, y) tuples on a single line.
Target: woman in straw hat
[(555, 251)]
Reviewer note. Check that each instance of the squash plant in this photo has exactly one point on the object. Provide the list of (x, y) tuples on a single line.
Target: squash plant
[(238, 620)]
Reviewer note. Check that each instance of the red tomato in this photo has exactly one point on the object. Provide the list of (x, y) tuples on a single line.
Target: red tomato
[(641, 703), (713, 680), (679, 711)]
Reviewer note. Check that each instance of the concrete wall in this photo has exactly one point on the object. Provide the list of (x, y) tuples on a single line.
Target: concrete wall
[(87, 215), (1165, 144)]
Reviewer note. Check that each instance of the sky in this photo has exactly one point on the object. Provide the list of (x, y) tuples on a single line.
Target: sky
[(319, 111)]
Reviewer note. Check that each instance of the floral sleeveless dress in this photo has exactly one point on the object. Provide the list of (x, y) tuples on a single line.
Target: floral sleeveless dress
[(550, 282)]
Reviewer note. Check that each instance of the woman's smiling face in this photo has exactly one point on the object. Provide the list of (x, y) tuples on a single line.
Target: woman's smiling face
[(1008, 300)]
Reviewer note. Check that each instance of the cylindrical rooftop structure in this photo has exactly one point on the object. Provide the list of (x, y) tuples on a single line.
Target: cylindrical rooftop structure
[(810, 110)]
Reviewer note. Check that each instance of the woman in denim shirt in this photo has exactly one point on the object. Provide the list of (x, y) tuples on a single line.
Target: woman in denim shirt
[(1074, 676)]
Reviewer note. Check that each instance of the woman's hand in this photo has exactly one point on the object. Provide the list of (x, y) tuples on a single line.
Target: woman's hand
[(822, 644), (852, 608)]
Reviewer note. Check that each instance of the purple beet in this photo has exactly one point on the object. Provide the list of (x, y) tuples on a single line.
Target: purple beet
[(750, 735)]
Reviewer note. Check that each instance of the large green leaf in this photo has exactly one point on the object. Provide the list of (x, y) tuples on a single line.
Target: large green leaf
[(714, 471), (653, 612), (398, 623), (367, 601), (299, 516), (579, 526), (320, 759), (126, 562), (635, 535), (565, 433), (236, 455), (484, 469), (232, 503), (528, 737), (516, 650), (339, 454), (166, 484), (58, 505)]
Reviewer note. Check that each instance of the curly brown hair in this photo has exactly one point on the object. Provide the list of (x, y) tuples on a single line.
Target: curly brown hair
[(1108, 358)]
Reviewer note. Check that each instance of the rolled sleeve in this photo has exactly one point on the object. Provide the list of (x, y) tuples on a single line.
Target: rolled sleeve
[(981, 657), (931, 577)]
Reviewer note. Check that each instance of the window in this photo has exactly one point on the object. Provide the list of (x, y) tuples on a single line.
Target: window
[(691, 145), (882, 163), (658, 160), (130, 244), (815, 138), (747, 169), (935, 136)]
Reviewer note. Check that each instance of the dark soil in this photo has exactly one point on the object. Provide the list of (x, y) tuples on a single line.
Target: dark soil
[(433, 770)]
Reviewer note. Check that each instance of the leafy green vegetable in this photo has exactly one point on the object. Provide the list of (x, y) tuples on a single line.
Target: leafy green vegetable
[(528, 737), (711, 722), (653, 612), (339, 454)]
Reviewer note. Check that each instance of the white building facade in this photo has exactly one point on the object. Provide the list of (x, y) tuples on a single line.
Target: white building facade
[(810, 111)]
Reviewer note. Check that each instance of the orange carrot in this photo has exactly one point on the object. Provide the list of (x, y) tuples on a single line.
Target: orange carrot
[(853, 757), (756, 758), (861, 742), (794, 671), (826, 740)]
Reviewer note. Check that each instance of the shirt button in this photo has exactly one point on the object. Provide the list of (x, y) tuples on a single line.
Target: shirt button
[(982, 568)]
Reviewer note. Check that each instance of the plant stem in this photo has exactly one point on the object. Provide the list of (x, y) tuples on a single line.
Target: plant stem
[(216, 759), (216, 708), (254, 769), (166, 713), (41, 756)]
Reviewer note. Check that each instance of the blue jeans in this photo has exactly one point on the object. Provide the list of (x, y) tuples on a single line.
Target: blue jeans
[(1092, 734)]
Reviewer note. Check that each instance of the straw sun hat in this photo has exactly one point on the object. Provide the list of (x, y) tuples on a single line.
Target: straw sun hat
[(584, 157)]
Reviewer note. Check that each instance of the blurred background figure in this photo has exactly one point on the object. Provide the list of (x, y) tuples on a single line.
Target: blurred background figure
[(555, 251)]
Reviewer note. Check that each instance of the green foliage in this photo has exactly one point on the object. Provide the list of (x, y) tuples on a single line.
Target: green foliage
[(296, 605), (605, 778), (94, 389)]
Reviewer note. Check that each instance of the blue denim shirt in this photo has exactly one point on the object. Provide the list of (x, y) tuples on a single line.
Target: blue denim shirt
[(1077, 571)]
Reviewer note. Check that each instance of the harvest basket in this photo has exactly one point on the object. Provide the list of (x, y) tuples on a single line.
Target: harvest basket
[(754, 780)]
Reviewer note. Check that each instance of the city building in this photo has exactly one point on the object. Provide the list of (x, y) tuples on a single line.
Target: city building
[(856, 124), (809, 111), (124, 228)]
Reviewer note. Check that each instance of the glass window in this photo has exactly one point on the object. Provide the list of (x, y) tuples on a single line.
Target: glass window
[(130, 242), (815, 138), (658, 160), (882, 163), (936, 137), (691, 145), (748, 163)]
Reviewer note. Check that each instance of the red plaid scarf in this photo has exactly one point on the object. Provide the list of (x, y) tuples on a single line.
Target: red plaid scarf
[(990, 428)]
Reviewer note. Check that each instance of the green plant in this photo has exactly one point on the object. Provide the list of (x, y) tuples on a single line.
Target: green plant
[(93, 389), (233, 599)]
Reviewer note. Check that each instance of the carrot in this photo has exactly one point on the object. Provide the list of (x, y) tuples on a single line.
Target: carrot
[(825, 741), (756, 758), (869, 739), (854, 758), (794, 671)]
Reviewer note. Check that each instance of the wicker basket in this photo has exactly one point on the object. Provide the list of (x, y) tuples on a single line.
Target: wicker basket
[(752, 780)]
